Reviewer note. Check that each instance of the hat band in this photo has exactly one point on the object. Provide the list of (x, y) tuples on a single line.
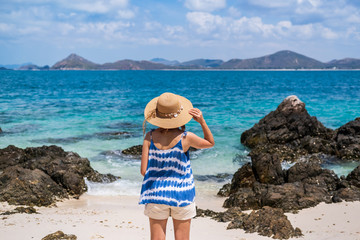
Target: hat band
[(169, 115)]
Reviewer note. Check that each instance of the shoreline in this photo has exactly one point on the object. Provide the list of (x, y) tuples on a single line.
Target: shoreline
[(111, 217)]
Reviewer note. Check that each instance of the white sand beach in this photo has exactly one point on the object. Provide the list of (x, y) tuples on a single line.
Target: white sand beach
[(120, 217)]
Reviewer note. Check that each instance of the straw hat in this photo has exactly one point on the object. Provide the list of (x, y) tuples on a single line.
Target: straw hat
[(168, 111)]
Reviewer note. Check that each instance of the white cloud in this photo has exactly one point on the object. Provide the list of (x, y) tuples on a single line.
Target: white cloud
[(252, 25), (353, 18), (212, 26), (234, 12), (152, 26), (126, 14), (65, 28), (5, 27), (205, 5), (328, 33), (100, 6), (353, 32), (289, 31), (205, 23)]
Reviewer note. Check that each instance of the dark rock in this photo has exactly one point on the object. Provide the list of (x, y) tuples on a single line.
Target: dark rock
[(336, 199), (205, 213), (229, 215), (354, 177), (349, 194), (326, 180), (134, 151), (267, 168), (244, 177), (67, 169), (348, 140), (104, 178), (270, 222), (224, 190), (28, 187), (59, 235), (290, 133), (28, 210), (245, 198), (307, 185), (58, 171), (291, 125), (301, 171), (317, 145), (11, 156), (1, 130), (266, 221)]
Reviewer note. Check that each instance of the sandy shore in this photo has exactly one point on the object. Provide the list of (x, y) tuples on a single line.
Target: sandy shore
[(120, 217)]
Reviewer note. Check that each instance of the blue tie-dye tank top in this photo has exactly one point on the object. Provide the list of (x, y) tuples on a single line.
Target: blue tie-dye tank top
[(168, 179)]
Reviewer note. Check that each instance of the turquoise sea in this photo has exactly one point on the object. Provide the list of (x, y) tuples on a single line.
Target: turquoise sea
[(82, 110)]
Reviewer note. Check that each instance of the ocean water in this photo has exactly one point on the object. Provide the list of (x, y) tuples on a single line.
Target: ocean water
[(82, 111)]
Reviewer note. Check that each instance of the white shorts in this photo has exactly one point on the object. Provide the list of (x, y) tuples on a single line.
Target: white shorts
[(161, 212)]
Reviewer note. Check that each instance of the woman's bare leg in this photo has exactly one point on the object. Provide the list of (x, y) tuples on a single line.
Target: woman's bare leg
[(158, 229), (182, 229)]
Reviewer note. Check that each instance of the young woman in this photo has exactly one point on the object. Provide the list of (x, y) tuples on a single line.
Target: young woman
[(168, 186)]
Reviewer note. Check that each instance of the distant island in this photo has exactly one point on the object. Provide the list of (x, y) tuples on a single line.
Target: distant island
[(281, 60)]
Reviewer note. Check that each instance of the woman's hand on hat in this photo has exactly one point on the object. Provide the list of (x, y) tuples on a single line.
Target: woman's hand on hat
[(197, 115)]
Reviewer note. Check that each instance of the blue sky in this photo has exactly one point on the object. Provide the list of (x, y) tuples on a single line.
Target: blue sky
[(45, 31)]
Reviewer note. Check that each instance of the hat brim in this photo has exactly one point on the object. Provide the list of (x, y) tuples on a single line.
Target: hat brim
[(168, 123)]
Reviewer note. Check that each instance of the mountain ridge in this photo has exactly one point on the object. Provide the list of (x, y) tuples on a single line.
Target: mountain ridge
[(284, 59)]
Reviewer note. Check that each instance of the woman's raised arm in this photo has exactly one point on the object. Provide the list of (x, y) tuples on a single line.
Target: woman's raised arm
[(198, 142)]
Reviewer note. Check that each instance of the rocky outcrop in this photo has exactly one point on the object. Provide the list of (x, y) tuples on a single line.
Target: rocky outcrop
[(348, 140), (270, 222), (267, 221), (133, 151), (290, 133), (59, 235), (305, 185), (243, 178), (39, 176), (29, 187), (267, 167), (354, 177)]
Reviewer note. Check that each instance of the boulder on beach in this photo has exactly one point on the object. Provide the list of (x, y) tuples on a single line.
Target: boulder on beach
[(28, 187), (270, 222), (290, 133), (292, 126), (27, 210), (40, 175), (59, 235), (305, 185)]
